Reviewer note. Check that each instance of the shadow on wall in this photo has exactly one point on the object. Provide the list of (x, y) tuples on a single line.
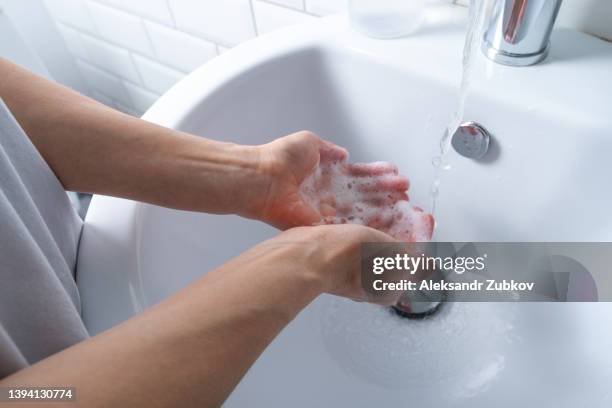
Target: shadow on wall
[(34, 33), (600, 20), (591, 16), (566, 45)]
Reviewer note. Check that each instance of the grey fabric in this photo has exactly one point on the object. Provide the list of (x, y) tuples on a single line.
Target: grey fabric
[(39, 237)]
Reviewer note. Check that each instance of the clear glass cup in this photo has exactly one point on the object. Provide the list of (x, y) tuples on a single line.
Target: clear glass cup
[(387, 18)]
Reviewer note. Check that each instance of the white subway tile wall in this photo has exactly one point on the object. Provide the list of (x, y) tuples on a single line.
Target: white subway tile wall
[(131, 51), (270, 17), (227, 22)]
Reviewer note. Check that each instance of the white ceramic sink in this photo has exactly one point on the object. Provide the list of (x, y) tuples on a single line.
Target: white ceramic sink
[(547, 178)]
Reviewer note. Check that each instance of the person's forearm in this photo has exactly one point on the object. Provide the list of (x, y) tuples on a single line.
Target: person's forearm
[(92, 148), (192, 349)]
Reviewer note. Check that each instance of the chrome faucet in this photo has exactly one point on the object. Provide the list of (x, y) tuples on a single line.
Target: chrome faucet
[(517, 32)]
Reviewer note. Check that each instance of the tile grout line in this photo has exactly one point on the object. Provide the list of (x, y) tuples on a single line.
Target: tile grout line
[(174, 27), (122, 9), (58, 25), (88, 11), (253, 19), (92, 32), (283, 6), (131, 54), (133, 61), (148, 35), (171, 12), (124, 48), (115, 76), (153, 49), (111, 97), (215, 41), (203, 37)]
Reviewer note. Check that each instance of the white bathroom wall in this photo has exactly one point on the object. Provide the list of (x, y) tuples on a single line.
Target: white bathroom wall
[(35, 42), (132, 51), (591, 16)]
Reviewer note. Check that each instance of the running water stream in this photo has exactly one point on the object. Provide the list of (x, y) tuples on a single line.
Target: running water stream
[(473, 37)]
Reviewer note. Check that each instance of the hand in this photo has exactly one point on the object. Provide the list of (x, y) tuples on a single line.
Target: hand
[(288, 161), (333, 255), (311, 183)]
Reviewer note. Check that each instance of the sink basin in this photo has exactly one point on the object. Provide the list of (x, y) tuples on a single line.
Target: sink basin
[(543, 180)]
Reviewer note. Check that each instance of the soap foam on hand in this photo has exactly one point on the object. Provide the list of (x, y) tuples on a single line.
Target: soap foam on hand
[(371, 194)]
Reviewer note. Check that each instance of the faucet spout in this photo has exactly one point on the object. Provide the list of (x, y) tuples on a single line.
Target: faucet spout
[(517, 32)]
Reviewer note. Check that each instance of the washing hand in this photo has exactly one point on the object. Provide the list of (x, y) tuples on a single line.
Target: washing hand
[(312, 183)]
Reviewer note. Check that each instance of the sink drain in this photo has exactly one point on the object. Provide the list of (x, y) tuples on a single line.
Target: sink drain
[(471, 140), (417, 310), (418, 304)]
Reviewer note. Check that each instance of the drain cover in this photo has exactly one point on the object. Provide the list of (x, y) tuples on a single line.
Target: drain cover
[(471, 140)]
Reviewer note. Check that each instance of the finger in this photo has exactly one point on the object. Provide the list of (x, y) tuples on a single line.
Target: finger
[(426, 228), (300, 215), (402, 230), (345, 209), (385, 199), (416, 227), (384, 297), (384, 184), (371, 169), (423, 224), (324, 180), (327, 209), (330, 152), (381, 220), (396, 196), (334, 220)]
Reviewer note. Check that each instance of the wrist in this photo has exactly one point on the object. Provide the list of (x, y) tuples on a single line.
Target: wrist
[(286, 268), (253, 182), (227, 177), (319, 257)]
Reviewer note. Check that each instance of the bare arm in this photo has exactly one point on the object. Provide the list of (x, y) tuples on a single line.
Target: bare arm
[(192, 349), (93, 148)]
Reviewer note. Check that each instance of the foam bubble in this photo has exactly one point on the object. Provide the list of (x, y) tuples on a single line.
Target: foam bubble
[(366, 198)]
